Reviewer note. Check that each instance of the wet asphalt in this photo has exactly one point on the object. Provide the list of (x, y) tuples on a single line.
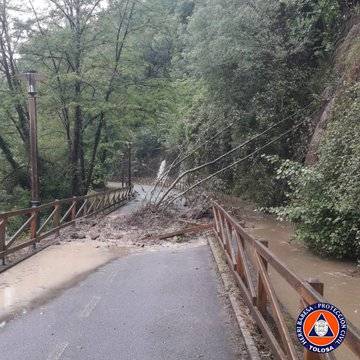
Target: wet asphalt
[(164, 304), (152, 305)]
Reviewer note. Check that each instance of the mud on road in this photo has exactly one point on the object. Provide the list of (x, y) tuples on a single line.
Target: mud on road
[(82, 249)]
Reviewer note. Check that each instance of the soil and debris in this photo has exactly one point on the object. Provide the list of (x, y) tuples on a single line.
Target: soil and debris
[(141, 228), (144, 227), (87, 245), (48, 273)]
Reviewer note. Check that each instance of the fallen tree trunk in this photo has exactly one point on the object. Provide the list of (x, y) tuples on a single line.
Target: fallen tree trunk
[(187, 230)]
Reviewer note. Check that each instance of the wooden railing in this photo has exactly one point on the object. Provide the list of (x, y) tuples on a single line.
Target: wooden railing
[(249, 260), (27, 227)]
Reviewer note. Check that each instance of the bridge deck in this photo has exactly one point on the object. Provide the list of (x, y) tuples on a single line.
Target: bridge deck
[(152, 305)]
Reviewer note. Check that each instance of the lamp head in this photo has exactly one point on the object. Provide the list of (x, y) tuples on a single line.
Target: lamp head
[(31, 77)]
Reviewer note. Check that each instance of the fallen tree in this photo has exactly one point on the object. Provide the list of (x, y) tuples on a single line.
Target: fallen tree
[(197, 168)]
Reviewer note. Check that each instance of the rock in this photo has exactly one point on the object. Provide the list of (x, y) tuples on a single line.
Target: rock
[(94, 236), (78, 235), (198, 213), (184, 202)]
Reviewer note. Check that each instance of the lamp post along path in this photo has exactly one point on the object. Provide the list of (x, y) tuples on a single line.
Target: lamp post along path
[(129, 165), (35, 198), (31, 78)]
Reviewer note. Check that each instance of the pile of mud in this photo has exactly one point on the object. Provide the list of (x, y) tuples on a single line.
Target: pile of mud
[(141, 228)]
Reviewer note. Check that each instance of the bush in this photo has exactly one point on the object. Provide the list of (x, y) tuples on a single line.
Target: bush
[(327, 225), (257, 182)]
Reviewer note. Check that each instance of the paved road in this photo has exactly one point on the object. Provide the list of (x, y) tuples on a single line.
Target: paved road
[(152, 305)]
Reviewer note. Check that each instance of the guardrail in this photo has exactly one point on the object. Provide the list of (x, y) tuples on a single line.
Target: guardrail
[(249, 263), (45, 220)]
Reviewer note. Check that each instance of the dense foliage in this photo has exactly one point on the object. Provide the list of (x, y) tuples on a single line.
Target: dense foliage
[(259, 63), (107, 83), (263, 62), (192, 79), (324, 200)]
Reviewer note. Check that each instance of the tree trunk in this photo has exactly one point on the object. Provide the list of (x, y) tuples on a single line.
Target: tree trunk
[(20, 175), (76, 151), (94, 152)]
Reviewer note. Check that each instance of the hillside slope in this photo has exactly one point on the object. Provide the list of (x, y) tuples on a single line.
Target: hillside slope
[(347, 67), (325, 197)]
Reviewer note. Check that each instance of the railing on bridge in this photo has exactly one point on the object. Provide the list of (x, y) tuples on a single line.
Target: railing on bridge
[(27, 227), (249, 263)]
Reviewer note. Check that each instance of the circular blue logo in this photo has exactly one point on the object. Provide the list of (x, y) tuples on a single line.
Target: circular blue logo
[(321, 327)]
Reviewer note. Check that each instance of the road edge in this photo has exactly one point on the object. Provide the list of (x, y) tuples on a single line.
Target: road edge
[(248, 339)]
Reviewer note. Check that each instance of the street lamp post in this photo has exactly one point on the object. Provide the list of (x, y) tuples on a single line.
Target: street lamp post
[(122, 169), (129, 166), (31, 77), (126, 157)]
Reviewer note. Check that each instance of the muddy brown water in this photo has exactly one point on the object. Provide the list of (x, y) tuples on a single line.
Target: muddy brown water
[(49, 272), (341, 279)]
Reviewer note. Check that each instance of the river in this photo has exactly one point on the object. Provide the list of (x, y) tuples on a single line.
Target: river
[(341, 279)]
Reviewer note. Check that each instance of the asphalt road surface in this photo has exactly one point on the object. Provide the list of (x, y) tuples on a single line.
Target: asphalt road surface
[(152, 305)]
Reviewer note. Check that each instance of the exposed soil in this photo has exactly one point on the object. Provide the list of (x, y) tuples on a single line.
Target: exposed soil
[(83, 248), (140, 228), (54, 269)]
